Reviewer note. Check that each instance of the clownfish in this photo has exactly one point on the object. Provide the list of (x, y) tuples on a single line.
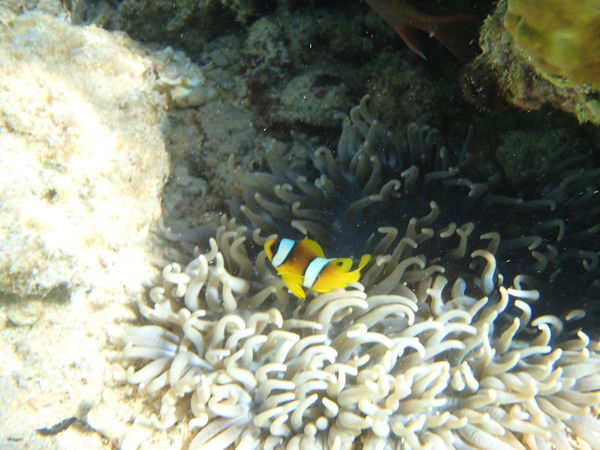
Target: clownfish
[(303, 264)]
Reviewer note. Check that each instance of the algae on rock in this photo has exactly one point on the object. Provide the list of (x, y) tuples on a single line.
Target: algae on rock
[(561, 37), (537, 53), (186, 24)]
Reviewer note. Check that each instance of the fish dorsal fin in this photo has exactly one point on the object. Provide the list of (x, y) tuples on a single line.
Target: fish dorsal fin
[(269, 248), (312, 247)]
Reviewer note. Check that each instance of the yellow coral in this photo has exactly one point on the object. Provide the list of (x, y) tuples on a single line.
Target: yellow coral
[(562, 37)]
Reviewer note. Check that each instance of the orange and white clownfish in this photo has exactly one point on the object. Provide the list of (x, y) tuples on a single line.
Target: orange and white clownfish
[(303, 263)]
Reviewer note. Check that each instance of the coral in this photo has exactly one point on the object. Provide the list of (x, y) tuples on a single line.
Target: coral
[(266, 63), (529, 59), (438, 345), (309, 98), (183, 82), (296, 74)]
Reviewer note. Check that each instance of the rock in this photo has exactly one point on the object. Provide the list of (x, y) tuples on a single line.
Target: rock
[(83, 160)]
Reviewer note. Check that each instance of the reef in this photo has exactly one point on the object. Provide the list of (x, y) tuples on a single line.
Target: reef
[(531, 58), (438, 345), (91, 127)]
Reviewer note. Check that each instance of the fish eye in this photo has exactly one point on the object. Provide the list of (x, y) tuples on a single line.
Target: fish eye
[(339, 263)]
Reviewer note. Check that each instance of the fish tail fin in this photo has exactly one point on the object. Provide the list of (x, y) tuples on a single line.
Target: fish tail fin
[(450, 31), (364, 260), (354, 276)]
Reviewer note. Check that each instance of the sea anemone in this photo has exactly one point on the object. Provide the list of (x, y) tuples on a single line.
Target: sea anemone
[(436, 347), (544, 220)]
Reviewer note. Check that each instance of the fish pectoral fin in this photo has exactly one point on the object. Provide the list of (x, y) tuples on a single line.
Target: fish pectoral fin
[(291, 276), (409, 40), (452, 33)]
